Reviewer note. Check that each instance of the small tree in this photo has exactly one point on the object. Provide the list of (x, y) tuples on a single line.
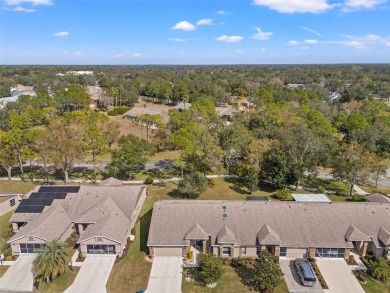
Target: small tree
[(381, 270), (52, 260), (283, 194), (193, 184), (266, 272), (210, 268)]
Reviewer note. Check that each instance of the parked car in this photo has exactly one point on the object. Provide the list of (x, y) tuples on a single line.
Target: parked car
[(305, 272)]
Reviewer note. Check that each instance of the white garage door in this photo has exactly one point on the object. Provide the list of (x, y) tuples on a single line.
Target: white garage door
[(168, 251), (296, 253)]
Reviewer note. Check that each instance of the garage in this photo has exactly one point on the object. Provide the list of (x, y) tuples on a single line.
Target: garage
[(100, 249), (296, 252), (30, 247), (168, 251), (330, 252)]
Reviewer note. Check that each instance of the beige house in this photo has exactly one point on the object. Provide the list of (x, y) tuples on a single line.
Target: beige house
[(286, 229), (8, 202), (102, 216)]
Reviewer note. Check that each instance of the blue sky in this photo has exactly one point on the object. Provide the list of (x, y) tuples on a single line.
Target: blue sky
[(194, 32)]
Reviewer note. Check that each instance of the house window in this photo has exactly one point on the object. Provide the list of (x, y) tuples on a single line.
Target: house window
[(243, 250), (100, 249), (226, 251), (283, 252), (12, 202), (258, 250)]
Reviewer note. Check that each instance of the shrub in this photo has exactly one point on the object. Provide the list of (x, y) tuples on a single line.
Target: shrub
[(210, 268), (358, 197), (267, 273), (321, 189), (5, 233), (149, 180), (192, 185), (118, 111), (283, 194), (381, 270), (190, 255)]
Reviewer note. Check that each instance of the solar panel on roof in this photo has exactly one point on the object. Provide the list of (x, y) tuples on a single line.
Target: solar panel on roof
[(68, 189), (29, 209), (36, 202), (53, 195)]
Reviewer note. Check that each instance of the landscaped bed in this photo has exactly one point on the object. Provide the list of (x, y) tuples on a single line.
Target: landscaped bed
[(317, 271), (59, 284)]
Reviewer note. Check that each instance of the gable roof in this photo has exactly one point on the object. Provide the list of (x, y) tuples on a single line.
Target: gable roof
[(111, 182), (49, 226), (377, 197), (384, 236), (225, 235), (196, 233), (354, 234), (267, 236)]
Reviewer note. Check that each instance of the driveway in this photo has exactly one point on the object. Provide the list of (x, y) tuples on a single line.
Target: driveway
[(166, 275), (338, 276), (292, 279), (19, 276), (93, 274)]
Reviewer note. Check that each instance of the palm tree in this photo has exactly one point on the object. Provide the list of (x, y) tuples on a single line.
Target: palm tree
[(52, 260)]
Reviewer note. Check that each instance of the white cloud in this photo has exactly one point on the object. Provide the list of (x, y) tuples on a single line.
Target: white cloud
[(222, 12), (304, 48), (293, 43), (229, 39), (22, 9), (32, 2), (206, 21), (177, 40), (362, 4), (295, 6), (262, 36), (184, 25), (136, 55), (388, 44), (311, 30), (61, 34), (354, 44), (311, 42)]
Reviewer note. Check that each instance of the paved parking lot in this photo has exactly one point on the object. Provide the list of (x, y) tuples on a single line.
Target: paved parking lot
[(166, 275), (19, 277), (93, 275), (338, 276), (292, 279)]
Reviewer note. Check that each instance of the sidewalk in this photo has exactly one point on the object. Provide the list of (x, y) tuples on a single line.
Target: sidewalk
[(359, 190)]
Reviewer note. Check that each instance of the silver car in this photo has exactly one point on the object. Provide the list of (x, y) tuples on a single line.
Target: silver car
[(305, 272)]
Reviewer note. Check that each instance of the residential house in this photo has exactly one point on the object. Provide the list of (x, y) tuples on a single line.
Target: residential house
[(182, 106), (103, 217), (286, 229), (134, 113), (377, 197)]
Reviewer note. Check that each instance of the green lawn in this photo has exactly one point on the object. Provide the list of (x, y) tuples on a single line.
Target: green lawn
[(229, 283), (374, 286), (165, 155), (7, 186), (61, 283), (3, 269), (4, 224)]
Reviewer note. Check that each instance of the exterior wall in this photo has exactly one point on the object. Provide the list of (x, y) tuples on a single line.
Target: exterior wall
[(5, 206), (15, 245), (168, 251), (251, 252), (67, 233), (377, 251), (296, 252), (105, 241)]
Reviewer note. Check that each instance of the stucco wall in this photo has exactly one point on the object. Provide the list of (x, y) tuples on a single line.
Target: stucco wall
[(5, 206)]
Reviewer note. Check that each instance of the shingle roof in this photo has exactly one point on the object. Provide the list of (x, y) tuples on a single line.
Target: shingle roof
[(267, 236), (377, 197), (182, 106), (111, 182), (49, 225), (354, 234), (225, 235), (384, 236), (297, 224), (196, 233), (134, 112)]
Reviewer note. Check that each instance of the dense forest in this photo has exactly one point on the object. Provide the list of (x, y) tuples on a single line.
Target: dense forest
[(289, 128)]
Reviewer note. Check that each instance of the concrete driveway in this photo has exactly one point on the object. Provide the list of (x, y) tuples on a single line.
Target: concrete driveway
[(338, 276), (20, 276), (292, 280), (166, 275), (93, 274)]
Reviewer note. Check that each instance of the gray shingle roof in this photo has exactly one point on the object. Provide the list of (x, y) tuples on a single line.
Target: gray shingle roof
[(226, 236), (297, 224), (196, 233), (267, 236), (354, 234), (384, 236), (111, 182), (377, 197)]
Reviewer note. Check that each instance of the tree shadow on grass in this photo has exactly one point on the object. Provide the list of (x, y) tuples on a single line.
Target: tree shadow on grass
[(144, 230), (177, 195), (237, 186), (245, 273)]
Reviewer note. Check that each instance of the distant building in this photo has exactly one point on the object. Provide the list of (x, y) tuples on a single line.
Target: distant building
[(16, 93), (8, 202), (182, 106), (133, 114), (78, 72), (295, 86)]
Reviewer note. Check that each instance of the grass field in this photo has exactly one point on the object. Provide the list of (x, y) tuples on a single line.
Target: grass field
[(61, 283), (16, 186), (3, 269), (4, 224), (374, 286)]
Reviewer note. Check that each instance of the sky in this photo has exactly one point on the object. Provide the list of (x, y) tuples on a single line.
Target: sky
[(138, 32)]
